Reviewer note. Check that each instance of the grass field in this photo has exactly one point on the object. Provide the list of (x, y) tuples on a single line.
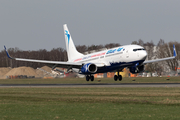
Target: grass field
[(97, 80), (89, 103)]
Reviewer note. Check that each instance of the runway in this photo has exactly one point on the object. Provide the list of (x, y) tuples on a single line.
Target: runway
[(96, 85)]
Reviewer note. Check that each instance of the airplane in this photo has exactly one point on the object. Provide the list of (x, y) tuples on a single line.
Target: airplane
[(114, 59)]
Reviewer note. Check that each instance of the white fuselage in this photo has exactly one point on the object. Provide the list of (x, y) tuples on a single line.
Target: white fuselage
[(119, 56)]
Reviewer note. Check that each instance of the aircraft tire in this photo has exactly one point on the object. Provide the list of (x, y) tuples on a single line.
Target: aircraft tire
[(92, 78), (120, 77), (115, 77), (87, 78)]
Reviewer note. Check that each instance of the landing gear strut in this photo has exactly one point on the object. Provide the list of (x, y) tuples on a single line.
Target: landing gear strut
[(116, 77), (89, 77)]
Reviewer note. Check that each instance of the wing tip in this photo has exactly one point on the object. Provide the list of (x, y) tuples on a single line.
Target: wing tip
[(7, 53), (4, 47), (174, 51)]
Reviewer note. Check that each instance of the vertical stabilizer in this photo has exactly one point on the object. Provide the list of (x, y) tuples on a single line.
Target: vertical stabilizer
[(70, 47)]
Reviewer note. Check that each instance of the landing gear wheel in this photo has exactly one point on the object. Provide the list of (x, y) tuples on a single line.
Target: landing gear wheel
[(87, 78), (120, 77), (115, 77), (92, 78)]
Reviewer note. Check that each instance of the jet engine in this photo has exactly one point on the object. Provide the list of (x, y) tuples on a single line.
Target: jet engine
[(88, 68), (136, 69)]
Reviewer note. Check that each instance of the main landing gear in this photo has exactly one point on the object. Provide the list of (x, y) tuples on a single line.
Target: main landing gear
[(116, 77), (89, 77)]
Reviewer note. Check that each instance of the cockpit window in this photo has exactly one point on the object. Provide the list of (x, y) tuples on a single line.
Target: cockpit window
[(138, 49)]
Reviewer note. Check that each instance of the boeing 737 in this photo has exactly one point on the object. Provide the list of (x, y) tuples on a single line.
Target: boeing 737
[(115, 59)]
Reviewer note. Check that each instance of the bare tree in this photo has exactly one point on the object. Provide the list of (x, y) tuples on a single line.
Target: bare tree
[(139, 42), (81, 48), (150, 48), (111, 45)]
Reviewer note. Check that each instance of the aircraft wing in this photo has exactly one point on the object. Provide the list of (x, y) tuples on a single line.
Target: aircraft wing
[(168, 58), (54, 63)]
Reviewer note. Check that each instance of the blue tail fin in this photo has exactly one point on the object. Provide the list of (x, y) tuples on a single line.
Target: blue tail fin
[(174, 51), (71, 49)]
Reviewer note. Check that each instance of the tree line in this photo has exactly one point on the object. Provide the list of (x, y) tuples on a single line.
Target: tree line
[(160, 50)]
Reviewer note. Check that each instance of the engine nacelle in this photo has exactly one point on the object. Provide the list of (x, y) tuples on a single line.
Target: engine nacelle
[(89, 68), (135, 69)]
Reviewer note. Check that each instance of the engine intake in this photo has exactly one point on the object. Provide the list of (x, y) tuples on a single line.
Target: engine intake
[(88, 68)]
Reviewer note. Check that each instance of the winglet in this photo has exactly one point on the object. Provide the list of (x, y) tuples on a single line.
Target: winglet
[(7, 53), (174, 51)]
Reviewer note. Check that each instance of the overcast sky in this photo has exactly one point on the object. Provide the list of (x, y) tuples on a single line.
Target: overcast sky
[(38, 24)]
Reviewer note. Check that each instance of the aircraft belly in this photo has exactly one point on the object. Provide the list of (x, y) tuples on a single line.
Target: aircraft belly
[(116, 66)]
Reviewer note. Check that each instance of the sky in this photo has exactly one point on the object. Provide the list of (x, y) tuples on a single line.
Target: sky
[(38, 24)]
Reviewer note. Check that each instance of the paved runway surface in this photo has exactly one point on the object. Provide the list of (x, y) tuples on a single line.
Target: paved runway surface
[(96, 85)]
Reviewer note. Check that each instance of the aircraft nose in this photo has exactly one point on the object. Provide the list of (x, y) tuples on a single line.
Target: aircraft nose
[(143, 54)]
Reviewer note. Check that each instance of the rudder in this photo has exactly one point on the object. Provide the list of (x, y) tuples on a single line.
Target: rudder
[(70, 47)]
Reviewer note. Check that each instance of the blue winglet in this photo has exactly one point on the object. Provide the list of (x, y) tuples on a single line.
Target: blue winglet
[(174, 51), (7, 53)]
